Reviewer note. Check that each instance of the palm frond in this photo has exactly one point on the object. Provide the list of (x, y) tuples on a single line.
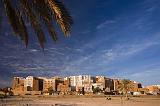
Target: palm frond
[(37, 12), (51, 29), (61, 15), (43, 11), (16, 21), (24, 31), (26, 8)]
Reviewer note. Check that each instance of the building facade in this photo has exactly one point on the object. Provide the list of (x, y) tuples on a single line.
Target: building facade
[(77, 82), (18, 85), (49, 84)]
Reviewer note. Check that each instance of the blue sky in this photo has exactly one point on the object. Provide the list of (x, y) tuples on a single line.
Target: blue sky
[(114, 38)]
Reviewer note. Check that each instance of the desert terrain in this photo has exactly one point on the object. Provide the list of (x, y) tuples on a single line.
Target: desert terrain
[(79, 101)]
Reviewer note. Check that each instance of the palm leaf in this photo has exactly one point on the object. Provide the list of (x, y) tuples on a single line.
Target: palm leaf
[(24, 31), (51, 29), (33, 20), (36, 12), (16, 21), (61, 15), (43, 11)]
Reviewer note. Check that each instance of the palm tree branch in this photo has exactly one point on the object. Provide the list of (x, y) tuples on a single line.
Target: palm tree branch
[(33, 20), (34, 11), (44, 12), (16, 21), (61, 15)]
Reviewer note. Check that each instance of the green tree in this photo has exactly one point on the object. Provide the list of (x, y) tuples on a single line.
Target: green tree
[(50, 90), (96, 90), (37, 13), (124, 87)]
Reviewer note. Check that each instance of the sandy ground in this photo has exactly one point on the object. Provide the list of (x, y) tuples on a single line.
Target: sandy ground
[(79, 101)]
